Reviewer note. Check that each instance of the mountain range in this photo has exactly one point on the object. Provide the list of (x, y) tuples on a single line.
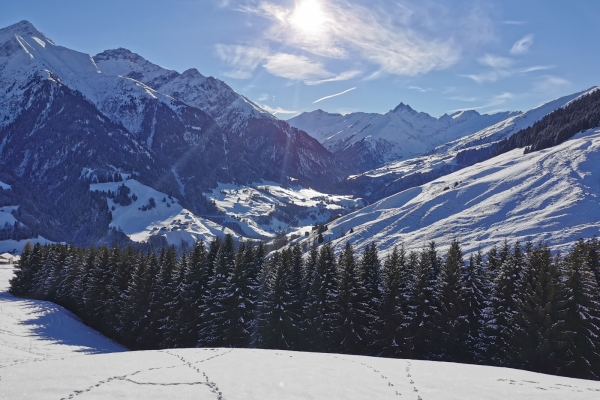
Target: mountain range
[(93, 146)]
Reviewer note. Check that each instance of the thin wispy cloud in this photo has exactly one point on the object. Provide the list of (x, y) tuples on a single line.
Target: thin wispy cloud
[(277, 110), (344, 76), (509, 22), (333, 95), (496, 62), (522, 45), (420, 89), (391, 38), (241, 60), (550, 84), (493, 101), (536, 68), (295, 67)]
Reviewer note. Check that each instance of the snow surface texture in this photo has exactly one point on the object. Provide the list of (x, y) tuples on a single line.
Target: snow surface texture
[(34, 331), (400, 133), (45, 353), (248, 205), (167, 219), (551, 195), (5, 186)]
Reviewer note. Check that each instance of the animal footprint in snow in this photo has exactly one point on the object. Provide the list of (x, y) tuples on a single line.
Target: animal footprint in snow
[(412, 382)]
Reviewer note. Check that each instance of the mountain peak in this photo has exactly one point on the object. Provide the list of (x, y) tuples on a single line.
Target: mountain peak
[(118, 54), (22, 28), (192, 73), (403, 107)]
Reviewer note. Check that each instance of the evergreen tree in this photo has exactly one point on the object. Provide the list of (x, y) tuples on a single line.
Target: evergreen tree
[(453, 309), (370, 276), (537, 334), (322, 312), (424, 311), (392, 324), (351, 323), (476, 288), (583, 313), (215, 304), (502, 304)]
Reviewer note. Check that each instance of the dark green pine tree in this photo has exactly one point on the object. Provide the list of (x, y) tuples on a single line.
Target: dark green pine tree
[(538, 336), (391, 330), (453, 309), (502, 304), (321, 309), (95, 294), (476, 289), (72, 269), (279, 325), (20, 283), (370, 276), (166, 310), (238, 303), (193, 288), (215, 303), (151, 334), (593, 257), (424, 332), (350, 329), (583, 313), (137, 298), (175, 323), (259, 287)]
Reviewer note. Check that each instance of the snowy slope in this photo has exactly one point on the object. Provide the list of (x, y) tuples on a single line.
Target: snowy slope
[(254, 207), (47, 354), (551, 195), (399, 134), (33, 331), (168, 218)]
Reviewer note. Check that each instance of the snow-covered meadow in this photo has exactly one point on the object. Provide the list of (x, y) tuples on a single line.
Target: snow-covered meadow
[(45, 353)]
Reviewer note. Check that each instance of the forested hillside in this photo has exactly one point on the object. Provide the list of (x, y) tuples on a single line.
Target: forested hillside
[(557, 127)]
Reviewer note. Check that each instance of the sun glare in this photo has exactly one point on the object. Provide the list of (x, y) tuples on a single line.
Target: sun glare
[(308, 16)]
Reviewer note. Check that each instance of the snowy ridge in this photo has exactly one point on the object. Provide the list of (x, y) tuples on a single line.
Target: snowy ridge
[(211, 95), (399, 134), (46, 353), (550, 195), (120, 98)]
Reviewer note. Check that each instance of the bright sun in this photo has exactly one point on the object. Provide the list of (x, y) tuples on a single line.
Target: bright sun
[(308, 16)]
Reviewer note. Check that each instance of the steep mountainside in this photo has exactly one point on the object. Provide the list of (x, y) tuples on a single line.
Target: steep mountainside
[(550, 195), (370, 140), (276, 149), (64, 123)]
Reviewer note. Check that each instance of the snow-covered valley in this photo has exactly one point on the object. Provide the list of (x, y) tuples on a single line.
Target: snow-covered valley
[(45, 353)]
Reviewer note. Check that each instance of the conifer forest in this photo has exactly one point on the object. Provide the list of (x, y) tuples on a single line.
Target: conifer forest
[(517, 306)]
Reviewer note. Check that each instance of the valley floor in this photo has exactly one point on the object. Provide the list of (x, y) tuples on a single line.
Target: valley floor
[(47, 354)]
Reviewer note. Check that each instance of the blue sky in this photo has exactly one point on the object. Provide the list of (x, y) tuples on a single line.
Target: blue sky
[(291, 56)]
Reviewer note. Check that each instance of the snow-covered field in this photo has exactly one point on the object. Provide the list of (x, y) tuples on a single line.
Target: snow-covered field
[(47, 354), (551, 195)]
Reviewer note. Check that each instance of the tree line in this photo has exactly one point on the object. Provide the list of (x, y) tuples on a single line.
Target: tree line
[(516, 306)]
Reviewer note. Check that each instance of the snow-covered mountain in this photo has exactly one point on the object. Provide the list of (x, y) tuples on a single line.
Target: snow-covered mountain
[(550, 195), (370, 140), (47, 353), (397, 176), (65, 122)]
